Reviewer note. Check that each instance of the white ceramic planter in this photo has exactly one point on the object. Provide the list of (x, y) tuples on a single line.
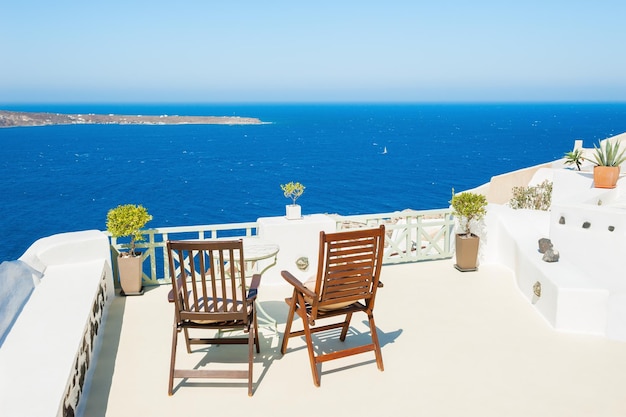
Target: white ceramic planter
[(293, 211)]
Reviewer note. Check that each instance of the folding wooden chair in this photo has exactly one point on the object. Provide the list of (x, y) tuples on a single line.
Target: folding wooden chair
[(346, 283), (209, 293)]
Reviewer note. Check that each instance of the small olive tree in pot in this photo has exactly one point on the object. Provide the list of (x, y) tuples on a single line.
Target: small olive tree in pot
[(293, 190), (127, 221), (468, 208)]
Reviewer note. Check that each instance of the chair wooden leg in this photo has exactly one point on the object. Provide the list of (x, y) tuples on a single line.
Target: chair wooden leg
[(251, 337), (346, 326), (256, 332), (290, 315), (377, 351), (170, 388), (309, 344), (186, 332)]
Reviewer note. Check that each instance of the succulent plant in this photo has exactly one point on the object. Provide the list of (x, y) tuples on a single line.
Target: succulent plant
[(574, 157), (609, 155)]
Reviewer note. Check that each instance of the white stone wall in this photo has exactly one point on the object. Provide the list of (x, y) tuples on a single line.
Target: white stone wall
[(45, 358), (585, 290)]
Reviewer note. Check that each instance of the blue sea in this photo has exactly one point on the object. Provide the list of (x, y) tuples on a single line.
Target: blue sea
[(65, 178)]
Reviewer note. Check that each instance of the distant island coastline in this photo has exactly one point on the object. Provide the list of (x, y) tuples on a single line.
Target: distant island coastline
[(18, 118)]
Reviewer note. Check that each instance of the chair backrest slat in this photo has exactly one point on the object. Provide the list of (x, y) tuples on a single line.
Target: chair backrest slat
[(212, 280), (349, 266)]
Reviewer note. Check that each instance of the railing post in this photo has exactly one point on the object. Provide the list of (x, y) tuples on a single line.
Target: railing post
[(152, 254)]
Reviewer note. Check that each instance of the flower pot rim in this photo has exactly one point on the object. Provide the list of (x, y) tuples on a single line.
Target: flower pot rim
[(467, 235), (127, 254)]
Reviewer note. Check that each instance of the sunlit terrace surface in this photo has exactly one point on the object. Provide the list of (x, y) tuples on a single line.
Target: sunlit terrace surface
[(454, 344)]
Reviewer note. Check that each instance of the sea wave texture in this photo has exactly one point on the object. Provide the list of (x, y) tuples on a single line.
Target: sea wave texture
[(65, 178)]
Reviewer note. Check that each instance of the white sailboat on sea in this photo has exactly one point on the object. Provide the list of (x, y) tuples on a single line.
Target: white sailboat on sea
[(385, 150)]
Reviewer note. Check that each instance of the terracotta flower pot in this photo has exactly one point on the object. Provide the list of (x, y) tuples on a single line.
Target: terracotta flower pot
[(466, 252), (605, 176)]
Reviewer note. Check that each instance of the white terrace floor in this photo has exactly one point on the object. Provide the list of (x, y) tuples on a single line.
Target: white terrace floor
[(454, 344)]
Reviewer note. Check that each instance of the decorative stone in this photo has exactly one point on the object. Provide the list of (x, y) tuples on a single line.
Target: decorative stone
[(562, 220), (586, 225), (302, 263), (551, 255), (611, 228), (544, 244)]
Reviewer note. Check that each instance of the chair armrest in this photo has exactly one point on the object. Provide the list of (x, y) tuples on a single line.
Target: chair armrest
[(254, 285), (179, 285), (298, 284)]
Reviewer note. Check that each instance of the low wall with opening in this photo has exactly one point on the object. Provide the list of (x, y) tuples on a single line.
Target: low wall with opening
[(48, 347)]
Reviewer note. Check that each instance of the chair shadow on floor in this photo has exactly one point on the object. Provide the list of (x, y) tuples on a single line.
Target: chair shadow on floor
[(231, 355), (270, 352), (328, 342), (330, 339)]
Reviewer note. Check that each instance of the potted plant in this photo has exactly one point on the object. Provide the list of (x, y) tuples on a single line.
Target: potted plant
[(122, 221), (468, 208), (293, 190), (608, 159), (574, 157)]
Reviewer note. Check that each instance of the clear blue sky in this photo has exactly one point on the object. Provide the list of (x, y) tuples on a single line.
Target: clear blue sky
[(312, 51)]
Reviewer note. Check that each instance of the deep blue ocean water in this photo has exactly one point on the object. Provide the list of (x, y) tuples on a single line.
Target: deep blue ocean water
[(65, 178)]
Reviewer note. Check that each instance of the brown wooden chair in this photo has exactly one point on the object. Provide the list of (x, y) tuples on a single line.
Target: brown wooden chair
[(346, 283), (210, 294)]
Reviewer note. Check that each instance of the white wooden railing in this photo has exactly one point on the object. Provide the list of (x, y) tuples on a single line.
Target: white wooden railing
[(412, 236)]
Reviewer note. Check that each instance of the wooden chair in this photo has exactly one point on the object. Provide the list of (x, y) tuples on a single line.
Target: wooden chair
[(210, 294), (346, 283)]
